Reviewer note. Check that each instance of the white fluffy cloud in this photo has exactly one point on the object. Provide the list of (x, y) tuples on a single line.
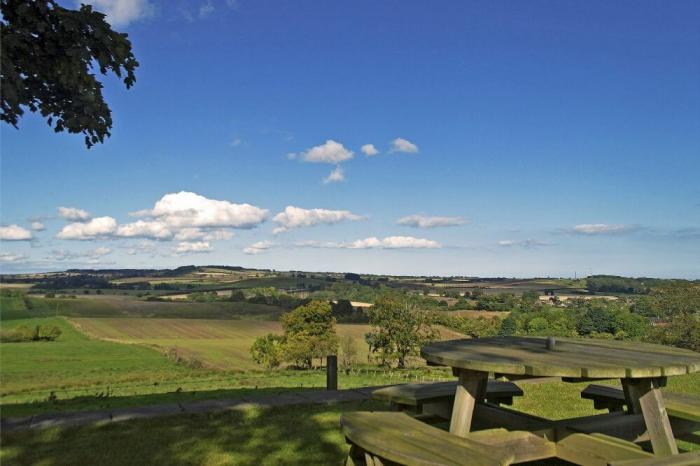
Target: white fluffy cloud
[(15, 233), (369, 149), (12, 257), (328, 152), (182, 216), (73, 213), (390, 242), (95, 228), (600, 229), (297, 217), (259, 247), (422, 221), (122, 12), (403, 145), (188, 234), (334, 176), (189, 247), (38, 226), (144, 229), (394, 242), (188, 210)]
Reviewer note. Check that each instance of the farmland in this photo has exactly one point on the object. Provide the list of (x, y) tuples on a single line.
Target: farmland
[(110, 305), (216, 344), (84, 372), (128, 346), (118, 350)]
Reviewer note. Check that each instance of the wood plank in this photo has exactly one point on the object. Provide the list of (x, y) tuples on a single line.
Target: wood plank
[(678, 405), (658, 424), (420, 393), (398, 438), (631, 427), (522, 445), (685, 459), (470, 389), (597, 450), (682, 405), (488, 416), (575, 358), (644, 396)]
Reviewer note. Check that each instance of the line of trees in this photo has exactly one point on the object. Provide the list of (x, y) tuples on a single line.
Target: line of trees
[(398, 329)]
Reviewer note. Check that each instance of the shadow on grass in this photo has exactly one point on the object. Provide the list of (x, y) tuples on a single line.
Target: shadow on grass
[(286, 435), (106, 402)]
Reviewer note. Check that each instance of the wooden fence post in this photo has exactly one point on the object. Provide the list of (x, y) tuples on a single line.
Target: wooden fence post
[(332, 372)]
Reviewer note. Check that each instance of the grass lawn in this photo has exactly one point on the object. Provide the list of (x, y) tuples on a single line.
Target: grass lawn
[(86, 373), (294, 435), (303, 435), (74, 360)]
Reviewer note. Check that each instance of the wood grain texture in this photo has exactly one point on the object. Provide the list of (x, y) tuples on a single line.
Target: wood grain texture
[(686, 459), (573, 358), (678, 405), (471, 389), (656, 418), (597, 450), (415, 394), (399, 438)]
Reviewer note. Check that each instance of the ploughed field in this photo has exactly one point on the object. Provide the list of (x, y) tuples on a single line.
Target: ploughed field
[(113, 305), (217, 344), (126, 361)]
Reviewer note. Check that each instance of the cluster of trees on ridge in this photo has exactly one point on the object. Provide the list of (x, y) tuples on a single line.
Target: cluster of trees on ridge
[(399, 328), (400, 325)]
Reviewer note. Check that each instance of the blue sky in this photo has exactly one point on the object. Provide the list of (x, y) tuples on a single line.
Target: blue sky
[(538, 138)]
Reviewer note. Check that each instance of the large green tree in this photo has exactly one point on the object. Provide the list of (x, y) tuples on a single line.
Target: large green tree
[(399, 329), (309, 332), (49, 54)]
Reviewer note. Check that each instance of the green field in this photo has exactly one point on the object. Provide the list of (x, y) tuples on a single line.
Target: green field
[(292, 435), (75, 360), (88, 373), (218, 344), (129, 306)]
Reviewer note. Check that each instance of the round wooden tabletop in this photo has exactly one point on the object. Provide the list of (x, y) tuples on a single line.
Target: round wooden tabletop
[(576, 358)]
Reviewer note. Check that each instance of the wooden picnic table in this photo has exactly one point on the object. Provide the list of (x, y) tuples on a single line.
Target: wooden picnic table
[(642, 369)]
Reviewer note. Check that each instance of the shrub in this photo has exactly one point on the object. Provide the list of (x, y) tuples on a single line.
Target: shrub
[(268, 350), (348, 353), (23, 333)]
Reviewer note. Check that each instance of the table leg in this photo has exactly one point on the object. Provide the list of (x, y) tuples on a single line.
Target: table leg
[(644, 396), (471, 389)]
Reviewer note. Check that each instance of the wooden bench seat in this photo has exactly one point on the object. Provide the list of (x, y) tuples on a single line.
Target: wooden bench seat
[(678, 405), (380, 438), (414, 396), (691, 458), (598, 450)]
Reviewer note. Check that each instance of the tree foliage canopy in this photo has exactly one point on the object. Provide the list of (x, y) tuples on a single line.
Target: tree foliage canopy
[(48, 56), (309, 332), (399, 328)]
